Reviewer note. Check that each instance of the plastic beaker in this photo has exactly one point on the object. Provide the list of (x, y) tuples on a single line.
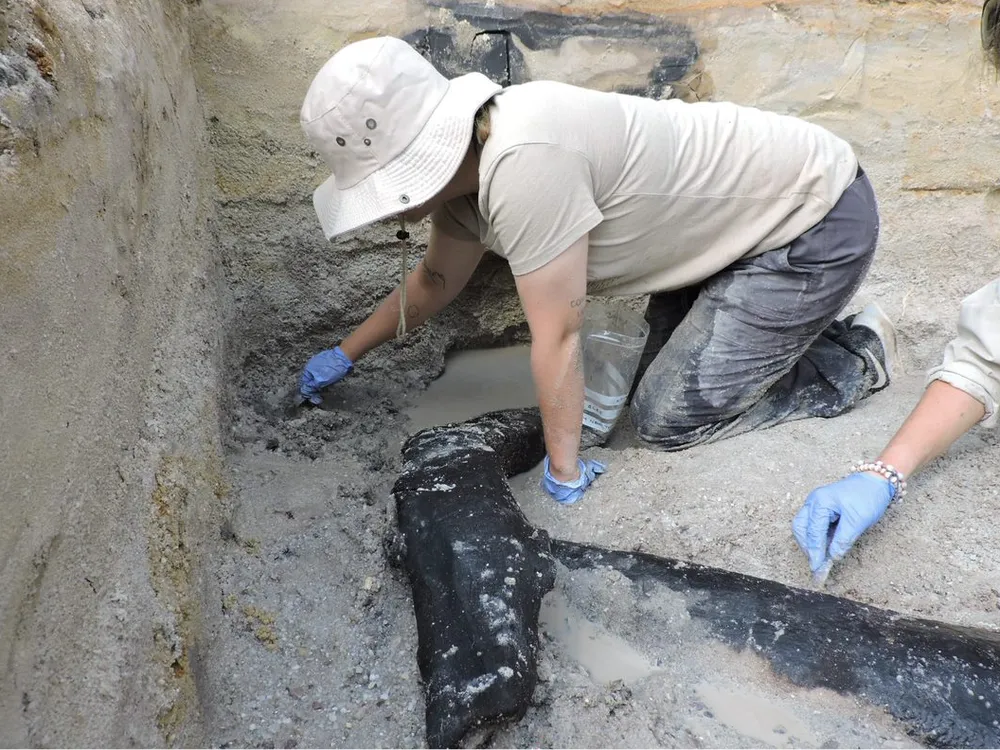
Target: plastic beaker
[(613, 338)]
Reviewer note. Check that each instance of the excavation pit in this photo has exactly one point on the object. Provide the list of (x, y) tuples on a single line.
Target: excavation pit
[(184, 565)]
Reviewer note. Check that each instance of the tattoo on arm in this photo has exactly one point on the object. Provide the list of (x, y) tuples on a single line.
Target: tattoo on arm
[(412, 311), (435, 277), (578, 302)]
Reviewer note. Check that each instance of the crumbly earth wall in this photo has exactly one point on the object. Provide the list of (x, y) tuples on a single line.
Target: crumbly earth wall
[(110, 462)]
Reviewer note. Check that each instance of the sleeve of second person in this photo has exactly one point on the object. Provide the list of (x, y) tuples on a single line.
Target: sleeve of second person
[(971, 360)]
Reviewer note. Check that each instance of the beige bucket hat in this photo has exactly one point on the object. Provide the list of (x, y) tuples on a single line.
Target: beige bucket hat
[(390, 127)]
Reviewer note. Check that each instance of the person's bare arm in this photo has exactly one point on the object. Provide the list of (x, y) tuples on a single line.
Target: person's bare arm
[(554, 298), (963, 390), (962, 393), (942, 416), (444, 271)]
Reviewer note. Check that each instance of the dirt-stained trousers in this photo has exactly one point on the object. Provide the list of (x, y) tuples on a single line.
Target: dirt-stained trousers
[(758, 343)]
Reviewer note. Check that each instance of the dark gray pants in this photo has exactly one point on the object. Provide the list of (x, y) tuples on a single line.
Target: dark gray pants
[(758, 343)]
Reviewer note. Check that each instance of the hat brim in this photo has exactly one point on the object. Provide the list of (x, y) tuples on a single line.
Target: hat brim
[(419, 173)]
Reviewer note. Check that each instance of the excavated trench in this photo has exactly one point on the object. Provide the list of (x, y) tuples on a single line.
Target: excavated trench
[(184, 561)]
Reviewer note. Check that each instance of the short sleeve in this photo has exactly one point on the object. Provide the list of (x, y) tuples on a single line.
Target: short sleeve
[(538, 200), (971, 360), (459, 218)]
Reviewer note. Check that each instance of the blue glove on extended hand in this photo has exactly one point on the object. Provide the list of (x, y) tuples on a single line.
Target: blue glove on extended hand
[(324, 369), (568, 493), (854, 503)]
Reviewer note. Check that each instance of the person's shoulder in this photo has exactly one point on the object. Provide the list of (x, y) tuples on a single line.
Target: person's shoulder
[(539, 92), (522, 105), (550, 98), (537, 112)]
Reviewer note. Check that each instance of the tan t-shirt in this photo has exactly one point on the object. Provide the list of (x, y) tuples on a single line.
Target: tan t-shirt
[(670, 192)]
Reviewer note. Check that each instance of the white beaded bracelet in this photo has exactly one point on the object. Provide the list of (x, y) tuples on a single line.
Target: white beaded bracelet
[(895, 477)]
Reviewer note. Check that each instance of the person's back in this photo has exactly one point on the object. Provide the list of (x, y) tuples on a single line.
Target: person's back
[(671, 192), (751, 232)]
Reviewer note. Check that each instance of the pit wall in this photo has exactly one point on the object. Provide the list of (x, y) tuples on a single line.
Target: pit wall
[(109, 323), (905, 82)]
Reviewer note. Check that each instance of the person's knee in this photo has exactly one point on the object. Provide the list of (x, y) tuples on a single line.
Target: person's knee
[(641, 411), (664, 432)]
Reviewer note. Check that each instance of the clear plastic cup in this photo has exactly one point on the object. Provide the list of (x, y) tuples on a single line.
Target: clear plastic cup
[(613, 340)]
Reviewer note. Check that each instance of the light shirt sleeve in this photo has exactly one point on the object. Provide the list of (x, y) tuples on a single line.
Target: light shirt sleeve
[(539, 201), (459, 219), (972, 359)]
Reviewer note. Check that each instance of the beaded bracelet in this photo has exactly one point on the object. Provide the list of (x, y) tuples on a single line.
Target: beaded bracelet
[(895, 477)]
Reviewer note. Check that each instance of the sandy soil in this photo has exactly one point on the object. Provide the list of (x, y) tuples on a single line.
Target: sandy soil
[(624, 666), (317, 642), (730, 504)]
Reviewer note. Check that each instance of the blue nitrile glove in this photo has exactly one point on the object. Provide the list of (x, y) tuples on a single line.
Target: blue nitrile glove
[(324, 369), (854, 503), (568, 493)]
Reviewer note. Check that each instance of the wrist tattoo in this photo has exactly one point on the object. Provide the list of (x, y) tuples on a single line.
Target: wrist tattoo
[(435, 277)]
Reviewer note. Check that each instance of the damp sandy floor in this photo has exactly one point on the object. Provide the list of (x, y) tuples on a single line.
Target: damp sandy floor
[(317, 643), (730, 504), (604, 637), (622, 666)]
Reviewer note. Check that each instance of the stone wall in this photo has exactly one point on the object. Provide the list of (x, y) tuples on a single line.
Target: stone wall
[(109, 323)]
